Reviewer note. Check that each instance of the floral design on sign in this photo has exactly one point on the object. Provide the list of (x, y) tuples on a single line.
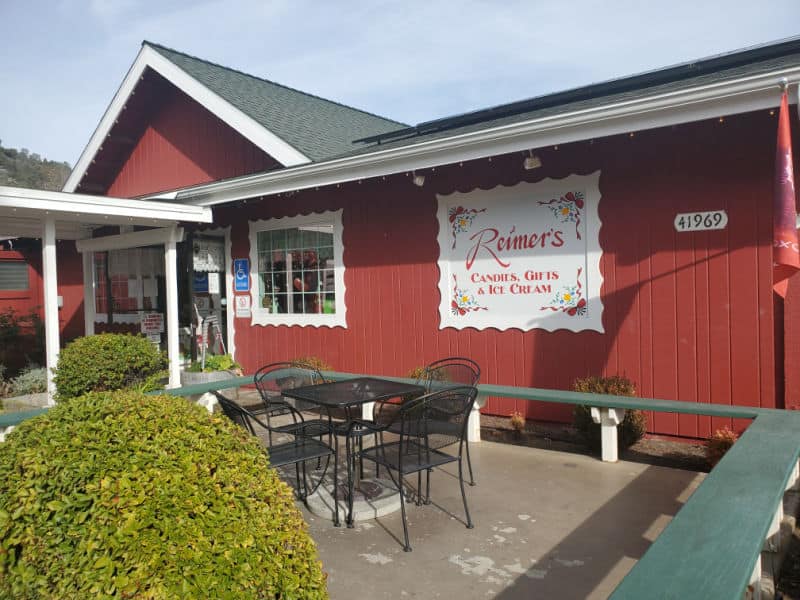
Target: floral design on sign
[(463, 300), (461, 219), (567, 208), (569, 299)]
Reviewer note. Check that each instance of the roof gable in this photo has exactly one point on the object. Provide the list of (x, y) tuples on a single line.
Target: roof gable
[(291, 126)]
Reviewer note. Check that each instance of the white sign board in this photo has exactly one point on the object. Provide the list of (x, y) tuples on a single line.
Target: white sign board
[(242, 306), (213, 283), (701, 221), (152, 323), (525, 256)]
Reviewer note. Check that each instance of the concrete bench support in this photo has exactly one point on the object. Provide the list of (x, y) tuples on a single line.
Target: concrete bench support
[(608, 418), (4, 431), (753, 591), (474, 423)]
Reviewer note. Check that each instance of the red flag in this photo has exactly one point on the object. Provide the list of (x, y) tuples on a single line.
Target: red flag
[(785, 249)]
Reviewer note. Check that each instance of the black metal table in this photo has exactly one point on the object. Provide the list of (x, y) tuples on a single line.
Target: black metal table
[(347, 395)]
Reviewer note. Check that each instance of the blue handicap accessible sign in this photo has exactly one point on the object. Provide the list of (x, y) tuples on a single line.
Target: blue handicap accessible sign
[(241, 274), (201, 282)]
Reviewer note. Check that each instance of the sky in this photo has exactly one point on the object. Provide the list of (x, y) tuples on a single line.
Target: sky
[(411, 60)]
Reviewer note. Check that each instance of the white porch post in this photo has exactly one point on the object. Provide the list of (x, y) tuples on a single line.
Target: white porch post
[(608, 418), (88, 293), (171, 272), (51, 333)]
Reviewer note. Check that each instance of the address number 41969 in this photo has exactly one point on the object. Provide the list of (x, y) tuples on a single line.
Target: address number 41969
[(701, 221)]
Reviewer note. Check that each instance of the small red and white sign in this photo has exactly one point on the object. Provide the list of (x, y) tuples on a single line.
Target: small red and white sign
[(152, 323), (242, 304)]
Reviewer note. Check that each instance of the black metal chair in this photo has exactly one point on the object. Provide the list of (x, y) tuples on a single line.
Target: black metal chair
[(300, 449), (438, 375), (271, 380), (425, 426)]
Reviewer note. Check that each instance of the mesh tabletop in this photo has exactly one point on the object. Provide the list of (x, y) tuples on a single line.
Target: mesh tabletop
[(342, 394)]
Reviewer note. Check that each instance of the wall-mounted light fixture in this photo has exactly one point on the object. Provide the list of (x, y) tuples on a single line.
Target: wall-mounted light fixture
[(419, 180), (532, 161)]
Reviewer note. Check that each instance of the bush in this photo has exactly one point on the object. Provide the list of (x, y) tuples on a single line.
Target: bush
[(633, 426), (312, 362), (216, 362), (719, 444), (108, 361), (517, 421), (132, 496), (32, 380), (21, 338), (5, 385)]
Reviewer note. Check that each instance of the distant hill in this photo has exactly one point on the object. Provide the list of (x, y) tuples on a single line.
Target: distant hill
[(23, 169)]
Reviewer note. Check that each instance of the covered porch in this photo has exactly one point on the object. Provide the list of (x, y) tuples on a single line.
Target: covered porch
[(53, 216)]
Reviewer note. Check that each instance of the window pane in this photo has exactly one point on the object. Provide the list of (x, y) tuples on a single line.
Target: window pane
[(297, 269), (13, 275)]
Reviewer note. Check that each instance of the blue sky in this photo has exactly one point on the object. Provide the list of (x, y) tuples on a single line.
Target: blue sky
[(63, 60)]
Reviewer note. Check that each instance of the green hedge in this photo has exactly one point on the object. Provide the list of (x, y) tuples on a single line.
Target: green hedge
[(109, 361), (132, 496)]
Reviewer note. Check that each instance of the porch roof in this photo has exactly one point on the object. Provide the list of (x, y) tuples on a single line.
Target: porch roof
[(22, 211)]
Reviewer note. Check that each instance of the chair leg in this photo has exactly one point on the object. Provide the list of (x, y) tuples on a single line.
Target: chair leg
[(463, 494), (407, 547), (428, 486), (297, 478), (350, 468), (336, 488), (469, 465), (360, 460)]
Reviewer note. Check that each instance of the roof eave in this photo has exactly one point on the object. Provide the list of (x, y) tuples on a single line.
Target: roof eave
[(744, 94), (99, 210)]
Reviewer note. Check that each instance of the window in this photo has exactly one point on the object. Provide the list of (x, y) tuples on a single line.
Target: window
[(133, 276), (297, 270), (13, 275)]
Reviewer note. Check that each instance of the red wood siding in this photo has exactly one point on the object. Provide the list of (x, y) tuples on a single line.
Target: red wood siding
[(184, 144), (687, 316), (70, 288)]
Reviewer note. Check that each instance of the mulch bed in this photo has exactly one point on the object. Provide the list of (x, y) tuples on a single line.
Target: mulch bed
[(563, 438)]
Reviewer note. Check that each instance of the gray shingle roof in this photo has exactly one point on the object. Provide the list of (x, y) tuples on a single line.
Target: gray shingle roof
[(316, 127)]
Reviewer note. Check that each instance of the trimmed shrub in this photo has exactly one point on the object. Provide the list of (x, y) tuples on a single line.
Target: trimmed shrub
[(719, 444), (312, 362), (32, 380), (216, 362), (131, 496), (633, 426), (108, 361)]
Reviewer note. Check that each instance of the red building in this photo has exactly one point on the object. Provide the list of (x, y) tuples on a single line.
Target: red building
[(623, 227)]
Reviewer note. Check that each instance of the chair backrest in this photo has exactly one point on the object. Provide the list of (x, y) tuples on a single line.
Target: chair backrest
[(456, 369), (440, 417), (236, 413), (271, 380)]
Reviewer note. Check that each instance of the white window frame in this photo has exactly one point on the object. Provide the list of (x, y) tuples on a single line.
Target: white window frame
[(260, 315)]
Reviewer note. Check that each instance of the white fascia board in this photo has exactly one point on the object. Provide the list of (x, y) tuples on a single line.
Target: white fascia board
[(270, 143), (136, 239), (96, 209), (662, 110), (16, 227)]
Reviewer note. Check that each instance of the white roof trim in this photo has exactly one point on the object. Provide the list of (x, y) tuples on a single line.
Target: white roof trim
[(85, 209), (136, 239), (661, 110), (270, 143)]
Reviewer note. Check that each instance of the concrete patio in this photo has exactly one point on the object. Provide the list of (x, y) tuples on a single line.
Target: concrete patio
[(547, 525)]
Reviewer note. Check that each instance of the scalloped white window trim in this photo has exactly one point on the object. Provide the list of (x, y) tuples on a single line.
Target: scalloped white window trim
[(259, 315)]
